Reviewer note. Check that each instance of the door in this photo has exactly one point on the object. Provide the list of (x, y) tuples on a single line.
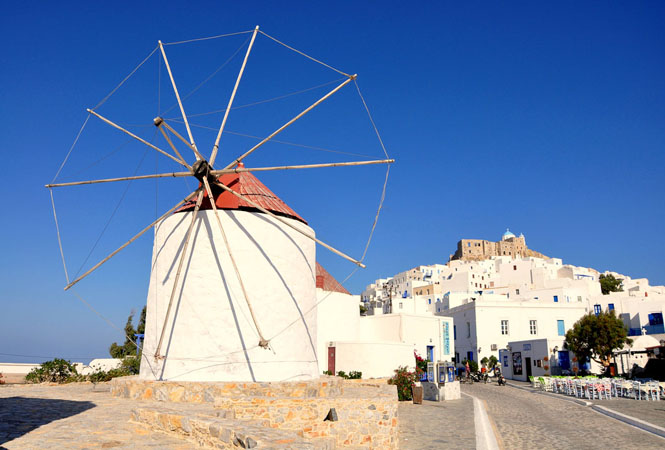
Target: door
[(527, 363), (564, 360), (430, 352), (331, 360)]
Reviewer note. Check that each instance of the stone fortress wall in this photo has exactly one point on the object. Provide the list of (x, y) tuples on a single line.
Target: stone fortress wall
[(480, 249)]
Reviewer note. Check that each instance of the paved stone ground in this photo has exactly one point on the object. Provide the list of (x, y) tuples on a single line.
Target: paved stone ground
[(436, 425), (527, 420), (72, 416), (649, 411)]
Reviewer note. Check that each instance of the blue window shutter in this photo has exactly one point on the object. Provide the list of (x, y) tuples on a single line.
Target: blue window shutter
[(561, 327)]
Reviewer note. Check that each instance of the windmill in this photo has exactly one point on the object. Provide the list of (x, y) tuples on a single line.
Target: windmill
[(231, 293)]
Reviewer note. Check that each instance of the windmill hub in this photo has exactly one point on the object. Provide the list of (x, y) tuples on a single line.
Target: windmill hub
[(201, 169)]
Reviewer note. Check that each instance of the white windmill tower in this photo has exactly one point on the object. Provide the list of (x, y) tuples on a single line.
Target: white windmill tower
[(232, 288)]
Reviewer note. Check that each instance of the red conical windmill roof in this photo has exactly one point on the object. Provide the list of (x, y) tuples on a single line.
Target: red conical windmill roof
[(246, 184)]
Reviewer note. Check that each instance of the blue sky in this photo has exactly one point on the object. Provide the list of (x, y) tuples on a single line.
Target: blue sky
[(548, 119)]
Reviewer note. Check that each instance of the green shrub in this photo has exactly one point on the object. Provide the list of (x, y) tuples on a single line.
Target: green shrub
[(131, 365), (355, 375), (342, 374), (327, 372), (55, 371), (404, 380)]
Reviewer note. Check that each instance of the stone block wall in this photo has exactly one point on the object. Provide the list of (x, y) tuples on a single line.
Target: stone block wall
[(366, 409)]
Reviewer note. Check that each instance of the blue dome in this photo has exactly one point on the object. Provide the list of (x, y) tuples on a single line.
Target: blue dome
[(507, 234)]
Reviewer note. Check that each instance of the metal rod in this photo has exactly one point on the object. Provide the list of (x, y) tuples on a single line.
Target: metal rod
[(285, 222), (287, 124), (262, 341), (177, 95), (193, 147), (177, 275), (168, 139), (233, 94), (96, 266), (114, 125)]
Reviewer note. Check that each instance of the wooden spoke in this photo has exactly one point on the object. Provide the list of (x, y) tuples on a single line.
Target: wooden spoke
[(301, 166), (262, 341), (96, 266), (233, 94), (290, 225), (177, 275), (176, 134), (287, 124), (114, 125), (110, 180), (223, 171), (177, 96), (160, 122)]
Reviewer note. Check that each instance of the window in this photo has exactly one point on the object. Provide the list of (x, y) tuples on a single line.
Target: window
[(468, 329), (517, 292), (429, 301), (504, 327), (400, 305), (561, 328), (455, 332), (533, 327), (610, 306), (468, 244), (514, 267), (579, 298), (596, 310), (469, 356), (556, 299)]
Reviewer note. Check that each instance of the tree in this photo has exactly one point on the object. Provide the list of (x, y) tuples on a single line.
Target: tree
[(597, 336), (140, 329), (493, 361), (610, 284), (129, 347)]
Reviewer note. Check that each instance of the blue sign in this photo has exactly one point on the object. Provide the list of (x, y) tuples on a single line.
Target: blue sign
[(446, 338), (526, 347)]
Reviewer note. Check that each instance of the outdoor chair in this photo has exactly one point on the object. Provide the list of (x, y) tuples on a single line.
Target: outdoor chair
[(616, 388), (652, 390), (637, 390)]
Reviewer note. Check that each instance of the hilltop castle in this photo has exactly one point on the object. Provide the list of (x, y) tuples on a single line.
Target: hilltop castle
[(479, 249)]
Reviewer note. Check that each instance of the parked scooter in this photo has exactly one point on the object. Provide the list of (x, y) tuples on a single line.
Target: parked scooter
[(501, 380)]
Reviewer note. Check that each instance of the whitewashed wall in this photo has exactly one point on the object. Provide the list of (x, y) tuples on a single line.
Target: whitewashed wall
[(210, 334)]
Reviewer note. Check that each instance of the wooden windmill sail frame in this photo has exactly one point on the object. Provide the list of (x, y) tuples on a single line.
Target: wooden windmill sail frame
[(204, 172)]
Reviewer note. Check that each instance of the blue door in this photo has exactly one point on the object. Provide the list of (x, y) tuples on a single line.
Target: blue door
[(469, 356), (430, 352), (564, 360)]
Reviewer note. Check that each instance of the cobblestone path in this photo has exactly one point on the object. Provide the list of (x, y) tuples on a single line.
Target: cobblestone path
[(527, 420), (437, 425), (72, 416)]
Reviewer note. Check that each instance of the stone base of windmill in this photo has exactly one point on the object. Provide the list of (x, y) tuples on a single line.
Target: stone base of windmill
[(325, 413)]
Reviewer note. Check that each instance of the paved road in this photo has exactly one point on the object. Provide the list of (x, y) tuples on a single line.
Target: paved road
[(435, 425), (527, 420), (649, 411)]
